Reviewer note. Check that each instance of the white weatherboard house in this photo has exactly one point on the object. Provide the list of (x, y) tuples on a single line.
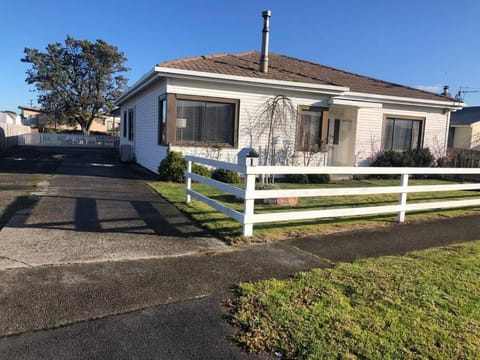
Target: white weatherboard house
[(210, 106)]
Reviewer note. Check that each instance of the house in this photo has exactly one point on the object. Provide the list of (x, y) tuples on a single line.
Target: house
[(211, 106), (37, 118), (33, 116), (10, 117), (465, 129)]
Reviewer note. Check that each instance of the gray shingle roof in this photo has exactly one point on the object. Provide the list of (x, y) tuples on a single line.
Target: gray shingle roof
[(466, 116), (287, 68)]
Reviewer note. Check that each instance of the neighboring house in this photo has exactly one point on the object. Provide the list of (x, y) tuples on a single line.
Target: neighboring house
[(35, 117), (10, 117), (465, 129)]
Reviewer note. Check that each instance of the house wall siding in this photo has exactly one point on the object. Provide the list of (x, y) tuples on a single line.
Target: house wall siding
[(251, 101), (463, 137), (147, 151), (367, 123), (370, 129)]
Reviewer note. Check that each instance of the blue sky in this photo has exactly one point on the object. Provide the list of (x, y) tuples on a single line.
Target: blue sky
[(427, 43)]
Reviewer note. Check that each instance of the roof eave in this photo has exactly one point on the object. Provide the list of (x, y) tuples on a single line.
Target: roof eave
[(260, 82), (398, 100), (145, 81)]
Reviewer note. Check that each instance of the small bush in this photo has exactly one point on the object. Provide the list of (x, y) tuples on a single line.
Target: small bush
[(388, 158), (201, 170), (226, 176), (172, 167), (296, 178), (419, 158), (318, 178), (409, 158)]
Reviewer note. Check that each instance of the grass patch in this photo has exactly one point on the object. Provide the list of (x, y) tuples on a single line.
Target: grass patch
[(229, 229), (424, 305)]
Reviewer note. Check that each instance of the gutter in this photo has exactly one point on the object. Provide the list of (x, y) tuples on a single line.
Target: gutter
[(447, 105)]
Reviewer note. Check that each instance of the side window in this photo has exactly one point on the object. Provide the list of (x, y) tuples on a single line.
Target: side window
[(125, 125), (131, 119), (162, 121)]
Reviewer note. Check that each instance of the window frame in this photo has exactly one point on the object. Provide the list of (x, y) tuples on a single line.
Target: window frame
[(421, 133), (323, 126), (125, 126), (172, 116), (162, 138), (131, 124)]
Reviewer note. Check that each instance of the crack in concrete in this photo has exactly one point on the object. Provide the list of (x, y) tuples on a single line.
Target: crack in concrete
[(15, 261)]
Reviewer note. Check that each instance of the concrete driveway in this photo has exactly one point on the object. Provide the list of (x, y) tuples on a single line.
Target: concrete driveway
[(89, 207)]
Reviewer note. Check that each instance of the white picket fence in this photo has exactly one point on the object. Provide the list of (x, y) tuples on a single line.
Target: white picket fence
[(249, 194), (77, 140)]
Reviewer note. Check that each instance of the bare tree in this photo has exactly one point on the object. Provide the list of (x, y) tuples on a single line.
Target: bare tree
[(275, 117)]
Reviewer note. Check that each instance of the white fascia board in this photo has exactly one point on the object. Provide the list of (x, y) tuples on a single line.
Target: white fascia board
[(259, 82), (450, 105), (354, 103), (144, 81)]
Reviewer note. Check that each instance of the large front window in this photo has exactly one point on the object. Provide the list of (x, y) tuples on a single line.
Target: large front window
[(402, 134), (205, 122)]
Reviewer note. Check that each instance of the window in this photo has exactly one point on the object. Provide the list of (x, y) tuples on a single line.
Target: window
[(403, 134), (334, 131), (205, 122), (125, 125), (312, 128), (162, 121), (130, 123)]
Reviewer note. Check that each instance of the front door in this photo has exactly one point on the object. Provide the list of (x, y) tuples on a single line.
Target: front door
[(340, 139)]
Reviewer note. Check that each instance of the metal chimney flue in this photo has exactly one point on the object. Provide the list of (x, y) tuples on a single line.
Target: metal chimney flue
[(446, 92), (265, 40)]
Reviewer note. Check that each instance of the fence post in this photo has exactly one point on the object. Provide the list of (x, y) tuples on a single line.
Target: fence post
[(402, 201), (249, 205), (188, 180)]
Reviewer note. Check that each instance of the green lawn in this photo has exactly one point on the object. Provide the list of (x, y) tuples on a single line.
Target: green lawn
[(425, 305), (231, 230)]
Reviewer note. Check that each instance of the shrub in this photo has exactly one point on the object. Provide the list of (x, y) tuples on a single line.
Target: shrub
[(318, 178), (226, 176), (388, 158), (419, 158), (201, 170), (172, 167), (296, 178), (410, 158)]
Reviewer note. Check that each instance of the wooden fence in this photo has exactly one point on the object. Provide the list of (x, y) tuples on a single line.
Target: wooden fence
[(249, 194)]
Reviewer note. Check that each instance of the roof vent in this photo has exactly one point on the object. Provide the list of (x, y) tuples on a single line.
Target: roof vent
[(265, 40)]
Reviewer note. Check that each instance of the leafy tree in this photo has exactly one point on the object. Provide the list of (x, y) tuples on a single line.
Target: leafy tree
[(78, 80)]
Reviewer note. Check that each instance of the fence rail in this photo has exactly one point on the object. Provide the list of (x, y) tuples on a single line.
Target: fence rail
[(249, 194), (77, 140)]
